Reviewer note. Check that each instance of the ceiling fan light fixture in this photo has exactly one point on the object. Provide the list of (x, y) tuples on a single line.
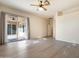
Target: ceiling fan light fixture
[(40, 9), (43, 5)]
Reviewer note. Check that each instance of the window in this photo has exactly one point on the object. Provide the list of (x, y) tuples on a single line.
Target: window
[(13, 18)]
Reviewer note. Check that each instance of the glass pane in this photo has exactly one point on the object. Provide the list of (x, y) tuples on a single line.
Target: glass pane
[(23, 28), (13, 29), (9, 29)]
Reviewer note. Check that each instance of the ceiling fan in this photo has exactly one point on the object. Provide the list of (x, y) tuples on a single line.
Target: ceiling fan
[(42, 4)]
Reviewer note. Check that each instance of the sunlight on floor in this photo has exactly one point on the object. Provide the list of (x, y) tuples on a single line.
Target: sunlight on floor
[(34, 42)]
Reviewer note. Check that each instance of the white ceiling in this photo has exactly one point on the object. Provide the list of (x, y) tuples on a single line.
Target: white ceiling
[(56, 5)]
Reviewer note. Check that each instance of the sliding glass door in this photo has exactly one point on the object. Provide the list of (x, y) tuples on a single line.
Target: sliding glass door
[(11, 32), (21, 31)]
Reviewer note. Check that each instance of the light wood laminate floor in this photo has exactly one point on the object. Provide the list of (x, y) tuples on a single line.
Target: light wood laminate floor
[(39, 49)]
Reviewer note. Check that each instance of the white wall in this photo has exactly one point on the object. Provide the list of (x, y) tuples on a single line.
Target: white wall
[(38, 25), (67, 26)]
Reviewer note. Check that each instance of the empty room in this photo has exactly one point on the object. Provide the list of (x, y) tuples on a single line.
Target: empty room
[(39, 28)]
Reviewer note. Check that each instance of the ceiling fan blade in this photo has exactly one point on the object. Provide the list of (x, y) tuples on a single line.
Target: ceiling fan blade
[(34, 5), (47, 2), (44, 8)]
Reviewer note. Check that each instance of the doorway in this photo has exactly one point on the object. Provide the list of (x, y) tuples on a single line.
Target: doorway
[(50, 27)]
